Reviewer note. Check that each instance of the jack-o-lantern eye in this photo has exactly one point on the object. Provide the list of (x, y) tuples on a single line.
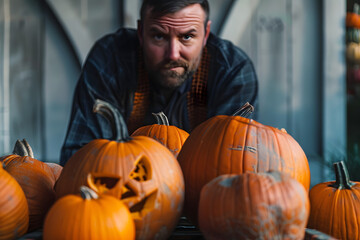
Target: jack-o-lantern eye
[(105, 183), (142, 171), (139, 192)]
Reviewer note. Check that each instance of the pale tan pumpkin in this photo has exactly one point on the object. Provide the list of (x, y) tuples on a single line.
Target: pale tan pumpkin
[(268, 205)]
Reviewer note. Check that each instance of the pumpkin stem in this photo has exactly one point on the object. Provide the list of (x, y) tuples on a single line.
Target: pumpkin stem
[(161, 118), (118, 125), (22, 148), (245, 111), (87, 193), (342, 176)]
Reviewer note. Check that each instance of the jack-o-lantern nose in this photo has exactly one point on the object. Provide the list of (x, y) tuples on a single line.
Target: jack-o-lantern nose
[(140, 190)]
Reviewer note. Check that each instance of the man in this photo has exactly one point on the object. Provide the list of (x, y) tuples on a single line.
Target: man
[(172, 63)]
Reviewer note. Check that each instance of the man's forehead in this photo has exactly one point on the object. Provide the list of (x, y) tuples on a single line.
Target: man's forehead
[(193, 15), (185, 23)]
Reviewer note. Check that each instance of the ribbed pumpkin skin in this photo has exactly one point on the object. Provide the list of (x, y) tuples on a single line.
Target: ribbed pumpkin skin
[(235, 145), (160, 217), (73, 217), (14, 213), (336, 210), (253, 206), (170, 136), (37, 180)]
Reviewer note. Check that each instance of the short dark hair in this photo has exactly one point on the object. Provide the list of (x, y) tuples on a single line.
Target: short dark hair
[(163, 7)]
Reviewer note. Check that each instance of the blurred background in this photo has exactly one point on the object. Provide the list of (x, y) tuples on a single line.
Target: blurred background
[(299, 49)]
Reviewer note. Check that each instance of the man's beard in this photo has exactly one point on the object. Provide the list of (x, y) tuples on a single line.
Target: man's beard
[(168, 79)]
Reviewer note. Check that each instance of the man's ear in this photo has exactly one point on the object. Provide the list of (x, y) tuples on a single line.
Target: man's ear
[(207, 32), (140, 32)]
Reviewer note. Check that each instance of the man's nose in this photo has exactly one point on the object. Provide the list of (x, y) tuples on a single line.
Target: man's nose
[(173, 51)]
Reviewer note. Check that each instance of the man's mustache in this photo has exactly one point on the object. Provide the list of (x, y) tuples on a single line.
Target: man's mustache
[(174, 64)]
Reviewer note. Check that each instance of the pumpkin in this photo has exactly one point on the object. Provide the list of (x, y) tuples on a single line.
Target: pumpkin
[(89, 216), (353, 75), (235, 145), (268, 205), (14, 213), (352, 18), (36, 178), (353, 80), (150, 182), (353, 35), (353, 52), (335, 206), (170, 136)]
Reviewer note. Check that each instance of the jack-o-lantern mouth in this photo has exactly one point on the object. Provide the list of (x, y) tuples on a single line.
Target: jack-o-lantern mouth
[(138, 192)]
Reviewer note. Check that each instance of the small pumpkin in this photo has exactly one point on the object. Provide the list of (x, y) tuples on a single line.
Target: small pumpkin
[(335, 206), (14, 212), (89, 216), (353, 35), (170, 136), (36, 178), (353, 75), (353, 80), (150, 182), (353, 52), (352, 18), (235, 145), (268, 205)]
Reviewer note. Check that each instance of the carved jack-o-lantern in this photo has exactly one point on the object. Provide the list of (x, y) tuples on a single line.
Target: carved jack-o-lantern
[(139, 170), (138, 188)]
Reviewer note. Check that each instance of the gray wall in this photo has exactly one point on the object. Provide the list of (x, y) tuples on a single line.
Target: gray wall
[(21, 60)]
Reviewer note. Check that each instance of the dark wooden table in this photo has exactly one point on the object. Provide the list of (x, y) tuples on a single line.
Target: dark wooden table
[(186, 231)]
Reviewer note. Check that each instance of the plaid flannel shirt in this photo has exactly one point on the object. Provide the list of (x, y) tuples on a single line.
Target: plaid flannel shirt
[(110, 74)]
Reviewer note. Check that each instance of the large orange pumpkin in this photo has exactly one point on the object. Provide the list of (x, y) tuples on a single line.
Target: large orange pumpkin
[(335, 206), (89, 216), (36, 178), (268, 205), (170, 136), (14, 213), (150, 178), (235, 144)]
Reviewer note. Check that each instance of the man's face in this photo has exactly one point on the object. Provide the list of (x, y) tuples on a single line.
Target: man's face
[(173, 44)]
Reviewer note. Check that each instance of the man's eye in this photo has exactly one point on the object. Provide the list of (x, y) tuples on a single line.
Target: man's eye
[(187, 37), (158, 37)]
